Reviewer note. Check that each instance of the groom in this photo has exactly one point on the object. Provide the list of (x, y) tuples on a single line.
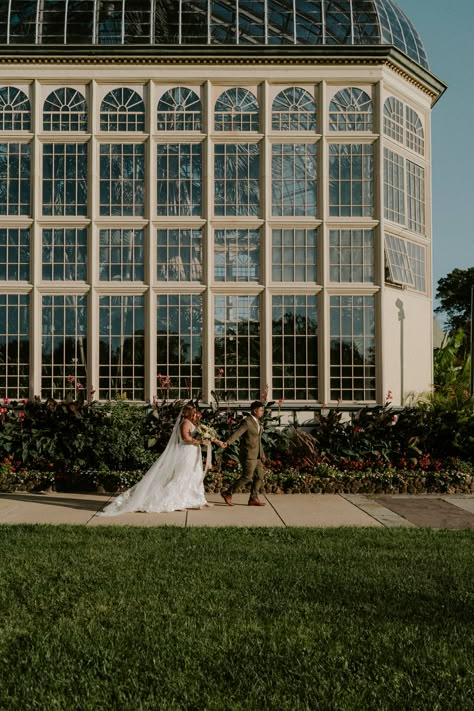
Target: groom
[(251, 456)]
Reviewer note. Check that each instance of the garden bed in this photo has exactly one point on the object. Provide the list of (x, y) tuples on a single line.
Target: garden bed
[(452, 481)]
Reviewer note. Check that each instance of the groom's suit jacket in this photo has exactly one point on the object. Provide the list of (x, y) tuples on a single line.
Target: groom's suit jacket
[(251, 442)]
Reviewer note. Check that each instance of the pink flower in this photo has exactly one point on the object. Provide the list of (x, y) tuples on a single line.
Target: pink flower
[(389, 395), (25, 400), (71, 379), (21, 415), (80, 386), (6, 401), (281, 401)]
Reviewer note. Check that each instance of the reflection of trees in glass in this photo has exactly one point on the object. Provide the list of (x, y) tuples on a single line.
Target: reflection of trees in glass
[(122, 109), (352, 347), (65, 109), (179, 109), (236, 110), (121, 255), (179, 179), (14, 254), (236, 179), (295, 347), (236, 255), (65, 178), (122, 175), (121, 346), (294, 109), (14, 345), (15, 185), (351, 189), (64, 345), (351, 110), (294, 179), (237, 345), (179, 255), (64, 254), (179, 342), (14, 109)]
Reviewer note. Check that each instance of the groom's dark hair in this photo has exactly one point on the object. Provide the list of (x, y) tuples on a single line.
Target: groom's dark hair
[(255, 405)]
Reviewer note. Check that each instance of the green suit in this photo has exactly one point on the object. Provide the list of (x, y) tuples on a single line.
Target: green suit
[(250, 457)]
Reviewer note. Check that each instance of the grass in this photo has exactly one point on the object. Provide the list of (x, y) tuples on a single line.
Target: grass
[(229, 619)]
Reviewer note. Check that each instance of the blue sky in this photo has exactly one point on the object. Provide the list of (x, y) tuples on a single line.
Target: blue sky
[(447, 31)]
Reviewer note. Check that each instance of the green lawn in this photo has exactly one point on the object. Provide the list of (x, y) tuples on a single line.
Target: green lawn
[(285, 619)]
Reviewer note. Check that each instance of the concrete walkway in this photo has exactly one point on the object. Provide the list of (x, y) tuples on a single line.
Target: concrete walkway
[(315, 510)]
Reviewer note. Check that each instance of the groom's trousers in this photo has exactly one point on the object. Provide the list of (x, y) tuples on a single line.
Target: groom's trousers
[(252, 476)]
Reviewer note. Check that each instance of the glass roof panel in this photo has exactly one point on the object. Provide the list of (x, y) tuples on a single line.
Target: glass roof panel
[(227, 22)]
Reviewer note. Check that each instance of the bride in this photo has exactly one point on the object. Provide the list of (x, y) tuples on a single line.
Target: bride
[(175, 481)]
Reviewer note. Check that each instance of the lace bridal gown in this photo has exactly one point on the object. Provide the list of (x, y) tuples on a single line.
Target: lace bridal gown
[(174, 482)]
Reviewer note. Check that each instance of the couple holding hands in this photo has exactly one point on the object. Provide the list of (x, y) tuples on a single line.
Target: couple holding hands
[(175, 481)]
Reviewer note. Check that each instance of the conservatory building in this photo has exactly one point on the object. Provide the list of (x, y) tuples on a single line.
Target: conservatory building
[(215, 196)]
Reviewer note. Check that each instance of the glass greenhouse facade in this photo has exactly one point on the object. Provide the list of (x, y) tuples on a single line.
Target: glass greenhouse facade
[(202, 220)]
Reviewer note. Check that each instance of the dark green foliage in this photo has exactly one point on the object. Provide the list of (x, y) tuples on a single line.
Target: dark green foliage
[(235, 619), (454, 294)]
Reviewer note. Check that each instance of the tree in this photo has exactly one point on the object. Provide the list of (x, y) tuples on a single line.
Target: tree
[(454, 294)]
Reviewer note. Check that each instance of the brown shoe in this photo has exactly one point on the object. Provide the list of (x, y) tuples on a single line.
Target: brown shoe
[(255, 502), (227, 498)]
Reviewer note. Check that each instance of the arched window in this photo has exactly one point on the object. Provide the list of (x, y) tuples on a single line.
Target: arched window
[(393, 118), (236, 110), (122, 110), (351, 110), (294, 109), (415, 136), (14, 109), (179, 109), (65, 109)]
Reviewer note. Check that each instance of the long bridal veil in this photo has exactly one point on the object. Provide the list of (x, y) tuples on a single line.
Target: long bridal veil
[(151, 487)]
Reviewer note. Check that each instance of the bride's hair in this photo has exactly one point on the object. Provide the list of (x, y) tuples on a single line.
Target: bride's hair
[(187, 410)]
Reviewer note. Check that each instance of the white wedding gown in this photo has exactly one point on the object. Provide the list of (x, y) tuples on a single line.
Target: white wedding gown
[(174, 482)]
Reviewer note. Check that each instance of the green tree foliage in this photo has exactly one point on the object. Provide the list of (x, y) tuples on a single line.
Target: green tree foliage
[(454, 294)]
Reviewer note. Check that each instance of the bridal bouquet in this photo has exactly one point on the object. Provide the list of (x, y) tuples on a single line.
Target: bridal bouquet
[(205, 433)]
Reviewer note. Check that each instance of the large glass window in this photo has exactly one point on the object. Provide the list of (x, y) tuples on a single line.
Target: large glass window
[(351, 255), (65, 109), (121, 255), (179, 343), (394, 187), (14, 254), (294, 109), (295, 347), (351, 110), (414, 131), (393, 118), (179, 173), (415, 197), (352, 355), (236, 179), (64, 179), (122, 179), (65, 254), (236, 255), (121, 347), (14, 345), (351, 185), (122, 110), (15, 179), (179, 109), (405, 262), (179, 255), (294, 255), (236, 110), (64, 346), (14, 109), (294, 179), (237, 345)]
